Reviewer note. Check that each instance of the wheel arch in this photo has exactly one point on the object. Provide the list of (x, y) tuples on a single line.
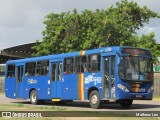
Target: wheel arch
[(90, 90), (31, 91)]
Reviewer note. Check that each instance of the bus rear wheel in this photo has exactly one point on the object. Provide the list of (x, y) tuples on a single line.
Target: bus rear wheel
[(34, 98), (126, 103), (94, 99)]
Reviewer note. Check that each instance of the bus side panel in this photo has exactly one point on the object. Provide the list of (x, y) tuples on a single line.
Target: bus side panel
[(40, 83), (70, 87), (20, 90), (10, 87), (92, 80)]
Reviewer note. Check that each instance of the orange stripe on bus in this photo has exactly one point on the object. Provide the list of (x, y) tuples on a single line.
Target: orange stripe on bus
[(82, 53), (137, 89), (136, 85), (81, 86)]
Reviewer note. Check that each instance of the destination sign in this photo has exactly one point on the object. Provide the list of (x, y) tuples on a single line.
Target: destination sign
[(135, 51)]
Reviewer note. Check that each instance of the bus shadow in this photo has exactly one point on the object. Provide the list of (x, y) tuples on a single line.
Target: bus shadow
[(111, 106)]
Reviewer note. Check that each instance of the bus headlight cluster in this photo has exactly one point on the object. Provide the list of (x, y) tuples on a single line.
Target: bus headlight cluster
[(150, 89), (120, 86)]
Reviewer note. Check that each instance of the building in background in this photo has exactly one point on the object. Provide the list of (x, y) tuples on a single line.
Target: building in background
[(13, 53)]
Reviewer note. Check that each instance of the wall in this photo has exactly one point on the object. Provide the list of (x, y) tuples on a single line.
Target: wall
[(1, 84), (156, 84)]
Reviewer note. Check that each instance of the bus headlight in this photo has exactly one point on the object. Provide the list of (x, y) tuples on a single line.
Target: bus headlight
[(120, 86), (150, 89)]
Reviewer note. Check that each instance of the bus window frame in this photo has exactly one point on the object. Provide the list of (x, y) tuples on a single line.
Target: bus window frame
[(27, 69), (48, 67), (86, 56), (134, 81), (64, 71), (99, 63), (14, 66)]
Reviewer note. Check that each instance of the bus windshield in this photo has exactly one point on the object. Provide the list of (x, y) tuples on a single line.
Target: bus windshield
[(135, 68)]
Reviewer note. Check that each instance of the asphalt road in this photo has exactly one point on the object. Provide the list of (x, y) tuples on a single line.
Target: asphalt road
[(138, 105)]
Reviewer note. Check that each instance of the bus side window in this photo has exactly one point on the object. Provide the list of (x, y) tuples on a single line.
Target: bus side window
[(19, 73), (59, 71), (53, 72), (80, 64), (68, 65), (42, 68), (94, 63), (84, 64), (10, 71), (30, 69), (77, 64)]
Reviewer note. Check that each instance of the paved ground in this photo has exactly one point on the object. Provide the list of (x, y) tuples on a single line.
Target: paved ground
[(138, 105)]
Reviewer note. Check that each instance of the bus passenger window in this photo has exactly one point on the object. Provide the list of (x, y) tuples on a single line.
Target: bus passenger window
[(68, 66), (94, 63), (83, 64), (77, 64), (30, 69), (10, 71), (19, 73), (80, 64), (53, 72), (42, 68), (59, 71)]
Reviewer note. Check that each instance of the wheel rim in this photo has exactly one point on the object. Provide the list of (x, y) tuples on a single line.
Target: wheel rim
[(34, 97), (94, 99)]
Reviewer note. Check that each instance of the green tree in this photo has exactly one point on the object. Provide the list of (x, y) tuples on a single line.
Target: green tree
[(74, 31), (148, 41)]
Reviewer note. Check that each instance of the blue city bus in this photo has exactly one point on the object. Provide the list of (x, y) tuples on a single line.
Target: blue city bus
[(108, 74)]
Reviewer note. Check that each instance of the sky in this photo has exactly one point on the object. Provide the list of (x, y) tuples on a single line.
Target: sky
[(21, 21)]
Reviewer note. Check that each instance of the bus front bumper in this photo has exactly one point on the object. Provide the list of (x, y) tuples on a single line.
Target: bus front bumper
[(135, 96)]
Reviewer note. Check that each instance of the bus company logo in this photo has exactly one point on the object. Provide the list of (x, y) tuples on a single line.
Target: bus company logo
[(31, 81), (6, 114), (90, 78), (108, 49)]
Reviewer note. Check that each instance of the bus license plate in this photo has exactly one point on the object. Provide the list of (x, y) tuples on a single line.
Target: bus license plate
[(138, 96)]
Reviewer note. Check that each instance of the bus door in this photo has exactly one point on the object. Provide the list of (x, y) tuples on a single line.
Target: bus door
[(19, 80), (108, 68), (56, 78)]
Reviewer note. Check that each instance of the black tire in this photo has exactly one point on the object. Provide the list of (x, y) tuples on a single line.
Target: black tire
[(41, 101), (34, 97), (94, 100), (126, 103)]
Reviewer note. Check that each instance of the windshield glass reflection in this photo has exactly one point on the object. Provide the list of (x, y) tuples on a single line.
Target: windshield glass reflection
[(135, 68)]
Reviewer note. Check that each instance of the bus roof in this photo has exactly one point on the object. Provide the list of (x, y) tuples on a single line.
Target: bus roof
[(70, 54)]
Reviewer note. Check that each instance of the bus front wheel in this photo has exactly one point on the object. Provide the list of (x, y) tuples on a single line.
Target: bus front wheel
[(94, 99), (126, 103)]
